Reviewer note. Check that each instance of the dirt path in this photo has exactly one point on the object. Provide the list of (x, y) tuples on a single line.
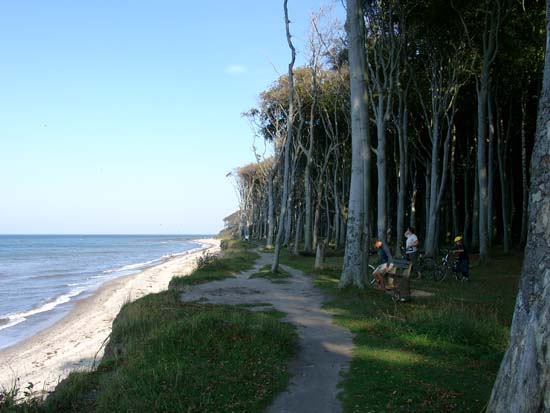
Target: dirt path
[(325, 349)]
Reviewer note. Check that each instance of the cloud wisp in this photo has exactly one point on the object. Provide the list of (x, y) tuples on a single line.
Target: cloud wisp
[(235, 69)]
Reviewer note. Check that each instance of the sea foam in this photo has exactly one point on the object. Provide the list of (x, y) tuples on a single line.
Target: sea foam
[(11, 320)]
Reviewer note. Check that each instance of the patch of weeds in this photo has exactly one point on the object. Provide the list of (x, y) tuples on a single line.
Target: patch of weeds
[(205, 259), (278, 277), (20, 399)]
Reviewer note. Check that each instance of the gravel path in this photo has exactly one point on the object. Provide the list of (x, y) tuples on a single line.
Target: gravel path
[(324, 350)]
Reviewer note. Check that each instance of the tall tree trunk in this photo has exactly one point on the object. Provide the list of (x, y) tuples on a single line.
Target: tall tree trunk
[(295, 247), (367, 192), (454, 206), (483, 83), (524, 175), (288, 224), (343, 235), (466, 183), (343, 213), (427, 190), (288, 145), (504, 187), (317, 214), (381, 221), (270, 210), (352, 273), (328, 233), (482, 165), (412, 216), (523, 381), (336, 206), (437, 193), (490, 172), (475, 212), (431, 195), (307, 207), (402, 123)]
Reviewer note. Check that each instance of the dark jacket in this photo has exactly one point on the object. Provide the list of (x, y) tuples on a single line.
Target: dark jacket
[(384, 254)]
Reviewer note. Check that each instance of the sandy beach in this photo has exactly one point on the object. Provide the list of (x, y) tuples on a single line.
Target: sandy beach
[(72, 343)]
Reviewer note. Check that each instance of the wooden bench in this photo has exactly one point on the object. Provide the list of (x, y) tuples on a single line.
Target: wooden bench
[(400, 271)]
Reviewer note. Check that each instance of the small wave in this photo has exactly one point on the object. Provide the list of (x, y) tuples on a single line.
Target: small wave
[(16, 318), (145, 264), (50, 276), (133, 266)]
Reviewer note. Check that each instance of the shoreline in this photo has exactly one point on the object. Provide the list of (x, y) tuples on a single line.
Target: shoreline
[(72, 342)]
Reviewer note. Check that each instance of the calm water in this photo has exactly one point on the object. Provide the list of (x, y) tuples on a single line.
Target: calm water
[(41, 276)]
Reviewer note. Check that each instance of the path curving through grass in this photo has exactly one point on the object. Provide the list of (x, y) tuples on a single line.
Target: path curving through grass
[(325, 349)]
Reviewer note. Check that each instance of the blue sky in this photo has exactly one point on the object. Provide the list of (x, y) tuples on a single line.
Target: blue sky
[(125, 116)]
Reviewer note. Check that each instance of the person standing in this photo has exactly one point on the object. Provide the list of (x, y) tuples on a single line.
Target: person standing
[(463, 261), (411, 250)]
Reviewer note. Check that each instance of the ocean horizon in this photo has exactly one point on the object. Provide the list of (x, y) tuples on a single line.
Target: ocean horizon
[(43, 275)]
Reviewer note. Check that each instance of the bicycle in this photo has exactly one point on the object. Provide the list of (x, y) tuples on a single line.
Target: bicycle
[(370, 269), (443, 268), (426, 265)]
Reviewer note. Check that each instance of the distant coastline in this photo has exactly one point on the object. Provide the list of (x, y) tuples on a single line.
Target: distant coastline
[(41, 276), (73, 341)]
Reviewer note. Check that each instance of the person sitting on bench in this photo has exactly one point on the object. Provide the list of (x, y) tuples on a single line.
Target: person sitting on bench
[(384, 258)]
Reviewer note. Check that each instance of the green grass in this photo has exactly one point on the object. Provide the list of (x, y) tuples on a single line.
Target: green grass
[(165, 355), (279, 277), (237, 257), (432, 354)]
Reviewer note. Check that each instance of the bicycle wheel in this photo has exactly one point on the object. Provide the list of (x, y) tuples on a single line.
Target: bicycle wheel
[(396, 295), (369, 277), (440, 273), (428, 267)]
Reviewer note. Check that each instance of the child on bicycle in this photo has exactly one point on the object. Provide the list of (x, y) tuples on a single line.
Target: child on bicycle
[(462, 264)]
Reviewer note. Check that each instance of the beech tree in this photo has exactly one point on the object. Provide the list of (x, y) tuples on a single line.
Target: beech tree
[(288, 145), (352, 272), (523, 381), (418, 75)]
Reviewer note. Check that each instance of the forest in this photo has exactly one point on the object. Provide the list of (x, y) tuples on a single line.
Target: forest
[(432, 114), (438, 134)]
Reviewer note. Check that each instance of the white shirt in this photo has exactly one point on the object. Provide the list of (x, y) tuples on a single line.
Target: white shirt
[(411, 239)]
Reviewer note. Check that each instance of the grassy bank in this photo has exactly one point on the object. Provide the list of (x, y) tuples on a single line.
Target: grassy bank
[(165, 355), (432, 354)]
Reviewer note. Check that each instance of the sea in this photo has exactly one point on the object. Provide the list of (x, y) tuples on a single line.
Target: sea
[(42, 276)]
